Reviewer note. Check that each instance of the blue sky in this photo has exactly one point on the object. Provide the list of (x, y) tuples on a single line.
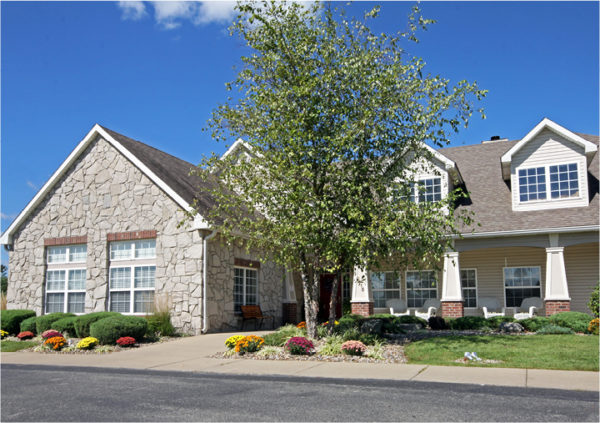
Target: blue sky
[(154, 71)]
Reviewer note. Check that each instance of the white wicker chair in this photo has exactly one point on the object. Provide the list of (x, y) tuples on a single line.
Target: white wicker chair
[(529, 308), (490, 307), (397, 307), (430, 308)]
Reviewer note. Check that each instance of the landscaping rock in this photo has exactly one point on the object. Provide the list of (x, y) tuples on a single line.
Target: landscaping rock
[(511, 327), (372, 327)]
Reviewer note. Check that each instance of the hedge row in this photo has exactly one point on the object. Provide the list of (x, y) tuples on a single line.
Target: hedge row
[(10, 320)]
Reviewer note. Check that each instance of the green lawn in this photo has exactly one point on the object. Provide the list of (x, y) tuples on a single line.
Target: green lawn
[(563, 352), (12, 346)]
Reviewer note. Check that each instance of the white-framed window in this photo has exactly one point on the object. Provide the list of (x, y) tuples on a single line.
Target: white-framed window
[(421, 285), (468, 282), (65, 278), (521, 283), (560, 180), (385, 286), (132, 276), (245, 287), (427, 190)]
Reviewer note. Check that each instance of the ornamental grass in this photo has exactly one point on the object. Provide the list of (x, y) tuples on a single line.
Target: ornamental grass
[(55, 343), (353, 348), (249, 344)]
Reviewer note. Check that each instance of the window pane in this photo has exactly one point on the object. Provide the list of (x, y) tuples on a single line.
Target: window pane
[(119, 302), (470, 296), (569, 182), (524, 282), (144, 276), (120, 250), (76, 302), (120, 278), (143, 302), (430, 190), (55, 303), (532, 187), (77, 279), (57, 254), (377, 280), (251, 287), (145, 248), (77, 253), (392, 280), (238, 288), (55, 280)]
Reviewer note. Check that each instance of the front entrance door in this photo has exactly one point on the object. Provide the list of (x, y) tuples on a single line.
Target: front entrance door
[(326, 286)]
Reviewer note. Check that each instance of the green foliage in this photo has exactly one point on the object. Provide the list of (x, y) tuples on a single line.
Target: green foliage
[(12, 346), (10, 320), (43, 323), (4, 279), (109, 329), (65, 325), (278, 338), (160, 323), (574, 320), (535, 323), (412, 319), (316, 90), (349, 321), (354, 334), (470, 323), (593, 303), (495, 322), (555, 330), (29, 325), (332, 345), (83, 322)]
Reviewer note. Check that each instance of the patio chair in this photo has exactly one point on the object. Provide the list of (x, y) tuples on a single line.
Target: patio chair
[(429, 309), (490, 307), (529, 308), (397, 307)]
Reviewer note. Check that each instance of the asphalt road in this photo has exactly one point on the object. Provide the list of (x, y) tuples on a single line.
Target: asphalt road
[(48, 393)]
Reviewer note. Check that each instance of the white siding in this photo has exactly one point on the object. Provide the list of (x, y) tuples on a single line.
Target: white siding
[(581, 262), (548, 148)]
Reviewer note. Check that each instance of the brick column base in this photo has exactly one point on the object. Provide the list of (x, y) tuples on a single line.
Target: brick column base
[(290, 313), (363, 309), (553, 307), (452, 309)]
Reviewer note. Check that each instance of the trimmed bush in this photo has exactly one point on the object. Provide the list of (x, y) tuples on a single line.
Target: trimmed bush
[(29, 325), (469, 323), (535, 323), (43, 323), (594, 303), (350, 321), (554, 330), (412, 319), (83, 322), (65, 325), (109, 329), (10, 320), (574, 320), (495, 322), (160, 323)]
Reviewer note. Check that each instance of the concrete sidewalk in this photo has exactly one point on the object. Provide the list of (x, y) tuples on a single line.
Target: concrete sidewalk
[(193, 355)]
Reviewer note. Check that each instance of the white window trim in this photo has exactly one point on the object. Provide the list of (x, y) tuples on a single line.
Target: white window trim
[(67, 255), (132, 289), (476, 288), (245, 269), (520, 267), (548, 198), (437, 284), (396, 274)]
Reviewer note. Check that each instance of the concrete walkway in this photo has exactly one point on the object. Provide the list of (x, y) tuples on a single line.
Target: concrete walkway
[(192, 355)]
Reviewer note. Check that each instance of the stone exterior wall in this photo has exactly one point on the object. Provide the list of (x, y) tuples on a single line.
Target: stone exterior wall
[(104, 193)]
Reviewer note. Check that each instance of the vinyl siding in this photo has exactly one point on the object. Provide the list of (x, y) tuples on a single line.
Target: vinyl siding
[(581, 262)]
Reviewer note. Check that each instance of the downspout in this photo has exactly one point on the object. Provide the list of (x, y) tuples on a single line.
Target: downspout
[(204, 278)]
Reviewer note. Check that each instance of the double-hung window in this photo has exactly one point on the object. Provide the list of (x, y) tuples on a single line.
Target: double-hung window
[(561, 181), (420, 286), (245, 287), (468, 281), (132, 276), (65, 278), (521, 283), (386, 286)]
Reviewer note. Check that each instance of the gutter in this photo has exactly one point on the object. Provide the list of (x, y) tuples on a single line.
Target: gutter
[(205, 240), (593, 228)]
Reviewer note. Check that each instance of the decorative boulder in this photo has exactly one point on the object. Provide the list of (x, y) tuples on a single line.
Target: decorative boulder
[(511, 327), (372, 326)]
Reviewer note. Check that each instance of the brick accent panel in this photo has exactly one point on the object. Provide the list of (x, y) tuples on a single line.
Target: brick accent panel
[(127, 236), (48, 242), (246, 263), (452, 309), (364, 309), (553, 307), (290, 313)]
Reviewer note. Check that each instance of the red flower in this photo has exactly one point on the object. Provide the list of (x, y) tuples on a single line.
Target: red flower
[(126, 341), (25, 335)]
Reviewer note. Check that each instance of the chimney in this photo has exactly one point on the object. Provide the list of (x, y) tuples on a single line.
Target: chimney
[(494, 138)]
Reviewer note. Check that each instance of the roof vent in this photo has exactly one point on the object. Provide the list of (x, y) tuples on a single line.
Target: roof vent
[(494, 138)]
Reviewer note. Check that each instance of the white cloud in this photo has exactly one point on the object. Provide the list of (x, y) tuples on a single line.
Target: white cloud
[(132, 10), (215, 11), (32, 185), (7, 216)]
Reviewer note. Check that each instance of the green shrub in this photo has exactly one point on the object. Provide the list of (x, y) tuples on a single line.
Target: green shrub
[(349, 321), (278, 338), (574, 320), (160, 323), (29, 325), (65, 325), (391, 323), (43, 323), (83, 322), (594, 304), (109, 329), (470, 323), (534, 324), (10, 320), (412, 319), (352, 334), (554, 330), (369, 339), (495, 322)]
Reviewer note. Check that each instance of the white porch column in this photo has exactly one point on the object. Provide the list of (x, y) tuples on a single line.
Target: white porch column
[(362, 293), (451, 288), (556, 276)]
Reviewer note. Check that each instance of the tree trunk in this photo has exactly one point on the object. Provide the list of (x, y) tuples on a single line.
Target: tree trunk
[(310, 287), (333, 302)]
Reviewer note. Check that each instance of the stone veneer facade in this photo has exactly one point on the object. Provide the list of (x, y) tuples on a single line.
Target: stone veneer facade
[(104, 193)]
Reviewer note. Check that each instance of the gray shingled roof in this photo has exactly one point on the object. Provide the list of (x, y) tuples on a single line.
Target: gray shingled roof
[(491, 202)]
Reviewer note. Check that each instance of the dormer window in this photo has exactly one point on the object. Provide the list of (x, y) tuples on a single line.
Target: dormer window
[(532, 184), (564, 181)]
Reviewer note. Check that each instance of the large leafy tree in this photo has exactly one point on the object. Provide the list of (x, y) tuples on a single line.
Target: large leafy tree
[(334, 117)]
